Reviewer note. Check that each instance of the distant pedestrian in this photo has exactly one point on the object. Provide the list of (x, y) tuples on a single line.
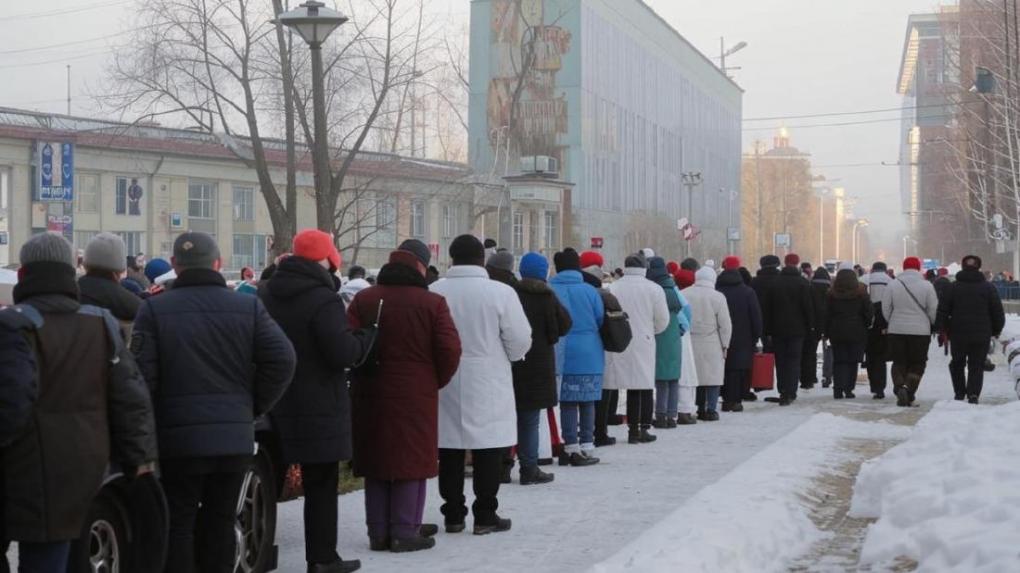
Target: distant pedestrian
[(788, 311), (215, 361), (877, 351), (745, 315), (668, 350), (580, 360), (848, 317), (608, 404), (136, 267), (395, 397), (711, 333), (821, 283), (971, 313), (809, 359), (100, 286), (477, 410), (910, 306)]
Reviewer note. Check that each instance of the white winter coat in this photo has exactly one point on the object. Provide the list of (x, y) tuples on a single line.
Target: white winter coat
[(477, 408), (901, 312), (711, 328), (645, 305)]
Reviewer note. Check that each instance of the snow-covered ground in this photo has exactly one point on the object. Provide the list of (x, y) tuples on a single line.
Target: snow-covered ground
[(724, 496)]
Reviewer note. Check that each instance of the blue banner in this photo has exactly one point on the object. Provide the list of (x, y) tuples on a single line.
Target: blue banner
[(56, 171)]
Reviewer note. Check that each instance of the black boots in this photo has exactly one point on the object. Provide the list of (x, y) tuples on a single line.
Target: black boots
[(639, 436), (972, 399), (878, 396), (750, 397), (411, 544), (498, 526), (661, 422), (577, 459), (708, 416), (603, 441), (338, 566), (732, 407), (686, 420), (533, 476)]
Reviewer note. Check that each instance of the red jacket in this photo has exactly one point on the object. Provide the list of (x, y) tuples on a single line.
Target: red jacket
[(396, 401)]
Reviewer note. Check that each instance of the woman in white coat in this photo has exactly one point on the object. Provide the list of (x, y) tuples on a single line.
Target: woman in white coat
[(477, 410), (711, 330), (633, 370)]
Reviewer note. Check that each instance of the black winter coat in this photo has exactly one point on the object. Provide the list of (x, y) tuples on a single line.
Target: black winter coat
[(535, 376), (313, 419), (849, 317), (788, 308), (107, 293), (820, 303), (763, 281), (942, 286), (18, 387), (746, 316), (971, 309), (214, 360)]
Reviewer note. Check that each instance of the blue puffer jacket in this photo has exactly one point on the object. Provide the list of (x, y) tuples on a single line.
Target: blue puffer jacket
[(580, 352)]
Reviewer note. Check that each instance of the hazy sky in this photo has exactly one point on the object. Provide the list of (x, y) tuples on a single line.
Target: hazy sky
[(804, 57)]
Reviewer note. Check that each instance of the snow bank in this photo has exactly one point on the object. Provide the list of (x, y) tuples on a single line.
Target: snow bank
[(754, 518), (949, 497)]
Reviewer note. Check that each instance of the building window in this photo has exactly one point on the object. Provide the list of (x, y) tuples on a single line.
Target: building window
[(87, 194), (120, 204), (551, 228), (133, 241), (383, 214), (128, 196), (518, 231), (201, 200), (244, 204), (244, 251), (418, 219), (451, 214)]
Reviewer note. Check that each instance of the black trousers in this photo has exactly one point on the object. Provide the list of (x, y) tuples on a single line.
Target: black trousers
[(321, 482), (846, 362), (605, 409), (967, 367), (640, 407), (788, 351), (809, 361), (486, 465), (203, 509), (909, 355), (878, 377), (734, 385)]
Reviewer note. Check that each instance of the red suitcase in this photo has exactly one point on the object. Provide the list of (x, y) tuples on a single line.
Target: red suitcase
[(763, 372)]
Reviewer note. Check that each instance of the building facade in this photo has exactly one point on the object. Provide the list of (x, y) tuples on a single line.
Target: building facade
[(148, 184), (623, 103)]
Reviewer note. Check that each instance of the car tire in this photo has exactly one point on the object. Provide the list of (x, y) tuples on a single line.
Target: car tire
[(256, 518), (104, 545)]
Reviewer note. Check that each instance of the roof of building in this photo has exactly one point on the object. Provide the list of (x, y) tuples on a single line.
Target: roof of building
[(156, 139), (912, 44)]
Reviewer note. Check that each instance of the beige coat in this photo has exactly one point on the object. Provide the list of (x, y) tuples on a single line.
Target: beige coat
[(711, 328), (645, 305)]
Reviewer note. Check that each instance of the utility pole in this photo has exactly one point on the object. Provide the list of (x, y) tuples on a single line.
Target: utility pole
[(760, 239), (690, 179)]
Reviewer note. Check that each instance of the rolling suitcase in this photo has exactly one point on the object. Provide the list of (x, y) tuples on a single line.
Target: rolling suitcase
[(763, 372)]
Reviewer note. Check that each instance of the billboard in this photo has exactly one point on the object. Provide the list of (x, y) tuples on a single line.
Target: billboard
[(56, 171)]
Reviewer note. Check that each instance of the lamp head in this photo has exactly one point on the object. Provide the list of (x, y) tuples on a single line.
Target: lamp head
[(313, 21)]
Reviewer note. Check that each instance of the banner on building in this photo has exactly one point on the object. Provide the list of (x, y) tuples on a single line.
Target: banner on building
[(56, 171)]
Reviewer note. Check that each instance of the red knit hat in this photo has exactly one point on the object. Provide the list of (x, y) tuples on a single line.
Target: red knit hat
[(911, 263), (792, 260), (672, 267), (591, 259), (731, 263), (314, 245), (684, 278), (943, 272)]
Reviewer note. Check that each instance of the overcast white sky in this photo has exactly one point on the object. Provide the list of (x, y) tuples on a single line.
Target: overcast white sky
[(804, 57)]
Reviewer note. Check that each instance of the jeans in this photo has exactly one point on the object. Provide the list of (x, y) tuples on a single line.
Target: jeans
[(394, 509), (486, 465), (734, 382), (604, 410), (909, 354), (708, 398), (208, 503), (788, 351), (667, 397), (640, 404), (527, 437), (846, 359), (577, 422), (321, 511), (968, 366), (48, 557)]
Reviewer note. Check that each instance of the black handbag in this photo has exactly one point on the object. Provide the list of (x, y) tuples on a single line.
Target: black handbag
[(615, 332)]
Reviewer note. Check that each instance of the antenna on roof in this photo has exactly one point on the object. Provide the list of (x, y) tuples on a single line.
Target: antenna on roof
[(68, 89)]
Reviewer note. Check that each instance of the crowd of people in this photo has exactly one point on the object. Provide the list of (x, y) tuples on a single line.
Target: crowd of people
[(159, 366)]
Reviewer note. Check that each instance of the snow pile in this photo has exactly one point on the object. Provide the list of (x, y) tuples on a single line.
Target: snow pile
[(949, 497), (754, 518)]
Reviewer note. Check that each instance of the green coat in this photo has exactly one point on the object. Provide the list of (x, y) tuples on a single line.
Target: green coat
[(667, 344)]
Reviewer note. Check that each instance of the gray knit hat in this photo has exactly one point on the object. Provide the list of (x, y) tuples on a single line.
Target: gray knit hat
[(47, 248), (502, 260), (106, 252)]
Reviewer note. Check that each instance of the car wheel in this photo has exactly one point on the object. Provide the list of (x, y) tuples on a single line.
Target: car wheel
[(103, 546), (255, 528)]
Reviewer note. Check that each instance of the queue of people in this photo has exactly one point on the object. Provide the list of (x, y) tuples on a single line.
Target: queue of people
[(415, 377)]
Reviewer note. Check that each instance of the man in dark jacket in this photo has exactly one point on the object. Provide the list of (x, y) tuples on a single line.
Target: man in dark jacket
[(877, 351), (313, 419), (789, 320), (215, 361), (821, 282), (971, 311), (92, 408), (745, 313), (942, 283), (105, 262), (809, 360), (18, 389)]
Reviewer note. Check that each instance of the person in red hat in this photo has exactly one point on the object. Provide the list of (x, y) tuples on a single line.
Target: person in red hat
[(745, 315), (788, 313), (910, 306), (684, 278), (313, 419)]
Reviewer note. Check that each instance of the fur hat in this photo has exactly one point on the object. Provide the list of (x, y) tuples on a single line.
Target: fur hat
[(770, 262)]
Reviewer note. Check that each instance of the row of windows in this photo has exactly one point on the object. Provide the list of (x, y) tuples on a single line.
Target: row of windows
[(129, 196), (549, 229)]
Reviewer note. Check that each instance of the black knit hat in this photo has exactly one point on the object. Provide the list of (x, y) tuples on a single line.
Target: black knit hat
[(567, 260), (418, 248), (467, 250)]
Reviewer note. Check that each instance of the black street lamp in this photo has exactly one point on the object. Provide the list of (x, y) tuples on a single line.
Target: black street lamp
[(314, 23)]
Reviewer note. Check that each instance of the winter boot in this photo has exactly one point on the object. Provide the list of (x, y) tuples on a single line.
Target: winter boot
[(533, 476), (379, 543), (701, 415), (660, 422), (686, 420), (670, 423), (500, 525), (737, 407), (750, 397), (711, 416), (634, 435), (837, 394), (972, 399), (785, 401), (452, 527), (878, 396), (826, 382), (902, 396), (645, 437), (428, 529), (849, 395), (603, 441), (578, 460), (338, 566), (727, 407), (418, 543)]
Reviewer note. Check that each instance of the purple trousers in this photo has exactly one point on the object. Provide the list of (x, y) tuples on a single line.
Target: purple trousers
[(394, 509)]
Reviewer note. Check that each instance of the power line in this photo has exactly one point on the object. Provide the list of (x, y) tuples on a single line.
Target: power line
[(56, 60), (838, 124), (61, 45), (63, 11), (859, 112)]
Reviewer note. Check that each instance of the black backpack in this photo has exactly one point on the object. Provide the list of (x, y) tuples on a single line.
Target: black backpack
[(615, 331)]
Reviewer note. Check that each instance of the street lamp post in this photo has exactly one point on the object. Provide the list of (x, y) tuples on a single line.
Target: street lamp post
[(906, 238), (314, 23), (690, 179), (724, 53), (857, 225)]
